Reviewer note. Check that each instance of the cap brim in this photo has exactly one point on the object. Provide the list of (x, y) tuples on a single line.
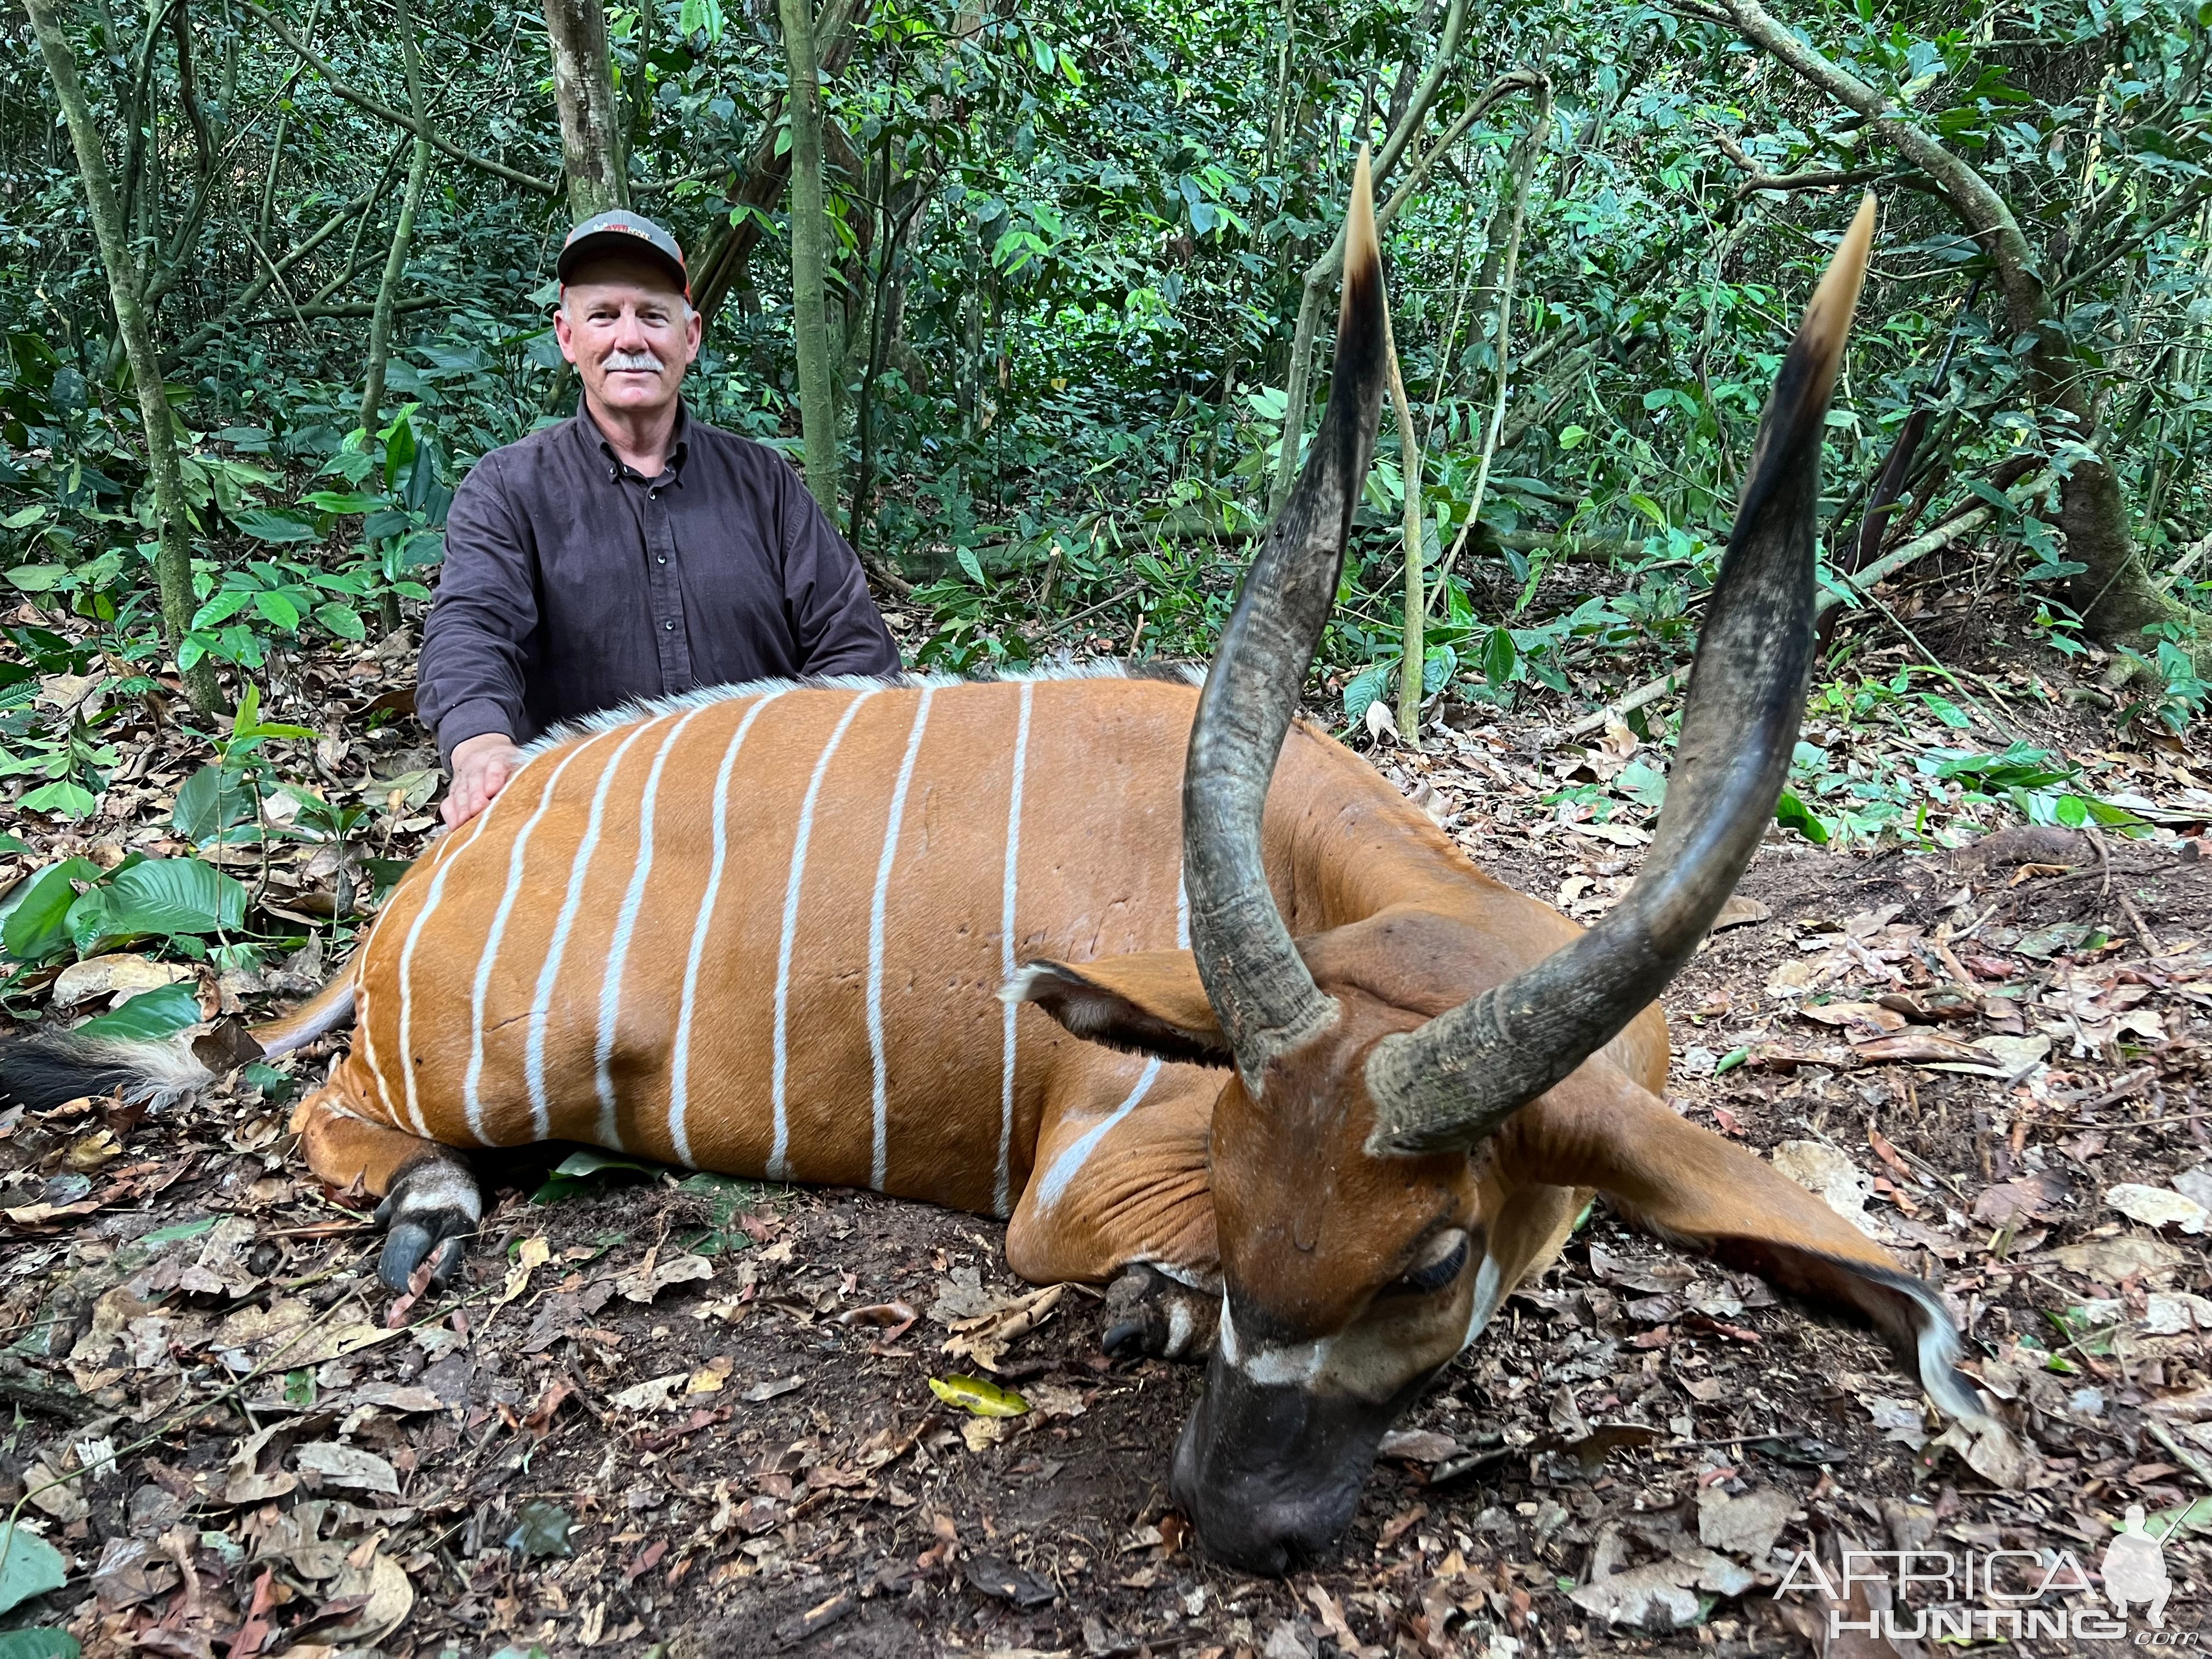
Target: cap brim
[(610, 243)]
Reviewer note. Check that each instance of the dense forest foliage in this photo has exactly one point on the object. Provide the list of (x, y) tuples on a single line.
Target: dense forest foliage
[(1076, 275)]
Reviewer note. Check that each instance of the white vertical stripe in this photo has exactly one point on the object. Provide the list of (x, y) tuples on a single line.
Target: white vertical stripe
[(472, 1097), (679, 1064), (618, 950), (369, 1052), (778, 1165), (549, 973), (1182, 910), (1076, 1152), (880, 1161), (1006, 952), (407, 971)]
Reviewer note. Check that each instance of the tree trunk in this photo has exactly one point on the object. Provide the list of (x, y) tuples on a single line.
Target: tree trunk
[(2117, 600), (173, 564), (809, 230), (584, 87), (1413, 640), (395, 265)]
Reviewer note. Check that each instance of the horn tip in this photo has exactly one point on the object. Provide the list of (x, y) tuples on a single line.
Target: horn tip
[(1828, 316), (1363, 250)]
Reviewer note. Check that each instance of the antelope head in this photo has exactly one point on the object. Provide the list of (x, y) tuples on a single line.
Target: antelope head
[(1348, 1137)]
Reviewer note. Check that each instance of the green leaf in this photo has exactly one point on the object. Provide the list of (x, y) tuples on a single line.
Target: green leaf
[(175, 896), (973, 1394), (215, 798), (1499, 656), (38, 925), (278, 608), (1945, 710), (1363, 688), (24, 517), (972, 565), (148, 1016), (29, 1566), (10, 844), (264, 526), (1571, 437), (342, 620), (581, 1171), (1792, 813), (39, 1645), (71, 800), (345, 502), (37, 578)]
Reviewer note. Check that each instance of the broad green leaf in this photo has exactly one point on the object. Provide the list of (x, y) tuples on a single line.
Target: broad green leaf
[(10, 844), (215, 798), (345, 502), (278, 608), (37, 578), (1792, 813), (71, 800), (1363, 688), (973, 1394), (148, 1016), (972, 565), (1499, 656), (264, 526), (174, 895), (39, 1645), (24, 517), (29, 1566), (342, 620), (38, 924)]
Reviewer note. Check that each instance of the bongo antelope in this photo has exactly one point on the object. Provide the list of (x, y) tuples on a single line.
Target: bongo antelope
[(1314, 1092)]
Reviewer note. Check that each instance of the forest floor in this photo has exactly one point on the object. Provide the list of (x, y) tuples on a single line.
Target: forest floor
[(664, 1415)]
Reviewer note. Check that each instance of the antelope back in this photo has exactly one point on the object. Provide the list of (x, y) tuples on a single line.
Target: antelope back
[(761, 932)]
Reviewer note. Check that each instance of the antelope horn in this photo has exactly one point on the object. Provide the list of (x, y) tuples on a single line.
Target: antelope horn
[(1453, 1082), (1254, 976)]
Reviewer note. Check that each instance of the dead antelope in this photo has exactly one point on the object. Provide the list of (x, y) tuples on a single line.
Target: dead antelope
[(1310, 1088)]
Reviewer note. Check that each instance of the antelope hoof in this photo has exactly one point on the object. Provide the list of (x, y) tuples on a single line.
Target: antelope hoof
[(1151, 1316), (433, 1205)]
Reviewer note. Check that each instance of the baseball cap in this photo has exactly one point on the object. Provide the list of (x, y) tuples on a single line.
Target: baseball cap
[(622, 232)]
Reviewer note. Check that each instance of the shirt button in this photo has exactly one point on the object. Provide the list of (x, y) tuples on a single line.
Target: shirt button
[(662, 559), (670, 625)]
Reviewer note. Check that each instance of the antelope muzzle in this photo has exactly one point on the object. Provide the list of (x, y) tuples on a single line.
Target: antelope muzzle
[(1270, 1472)]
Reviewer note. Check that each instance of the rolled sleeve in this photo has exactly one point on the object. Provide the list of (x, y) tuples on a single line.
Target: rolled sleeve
[(833, 619), (478, 644)]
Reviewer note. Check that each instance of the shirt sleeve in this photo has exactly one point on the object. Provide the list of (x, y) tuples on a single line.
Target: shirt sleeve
[(834, 620), (476, 643)]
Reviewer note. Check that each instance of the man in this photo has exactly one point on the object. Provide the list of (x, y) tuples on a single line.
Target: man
[(631, 551)]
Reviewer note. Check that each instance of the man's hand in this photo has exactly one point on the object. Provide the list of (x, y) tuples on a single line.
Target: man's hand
[(481, 766)]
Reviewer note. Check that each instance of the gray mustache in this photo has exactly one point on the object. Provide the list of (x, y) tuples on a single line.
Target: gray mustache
[(637, 360)]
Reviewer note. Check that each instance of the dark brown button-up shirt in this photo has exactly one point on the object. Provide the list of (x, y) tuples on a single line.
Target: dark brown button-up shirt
[(573, 583)]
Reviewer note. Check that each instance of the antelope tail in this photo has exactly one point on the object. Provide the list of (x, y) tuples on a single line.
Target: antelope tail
[(43, 1070)]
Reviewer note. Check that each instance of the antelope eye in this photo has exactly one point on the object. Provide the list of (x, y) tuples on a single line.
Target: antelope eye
[(1447, 1256)]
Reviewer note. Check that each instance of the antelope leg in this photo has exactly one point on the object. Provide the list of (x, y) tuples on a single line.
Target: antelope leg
[(430, 1198)]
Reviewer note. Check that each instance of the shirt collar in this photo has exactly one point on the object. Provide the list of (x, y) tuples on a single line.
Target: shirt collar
[(595, 444)]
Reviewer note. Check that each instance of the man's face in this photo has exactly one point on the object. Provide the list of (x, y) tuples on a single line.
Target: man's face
[(628, 330)]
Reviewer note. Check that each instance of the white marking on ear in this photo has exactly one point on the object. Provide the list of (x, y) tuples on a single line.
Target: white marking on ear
[(999, 1193), (778, 1163), (879, 1162), (407, 969), (1937, 1349), (487, 954), (1076, 1152), (679, 1063), (618, 947), (1488, 1293), (549, 973)]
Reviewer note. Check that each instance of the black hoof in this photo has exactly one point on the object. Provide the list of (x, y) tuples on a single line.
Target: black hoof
[(1132, 1337), (429, 1213), (1150, 1314)]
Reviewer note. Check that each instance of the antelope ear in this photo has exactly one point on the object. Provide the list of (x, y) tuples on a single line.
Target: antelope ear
[(1149, 1002)]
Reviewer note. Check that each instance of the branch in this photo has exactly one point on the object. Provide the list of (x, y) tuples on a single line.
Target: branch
[(261, 284), (1785, 184), (2127, 245), (421, 130), (1881, 570), (343, 308)]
